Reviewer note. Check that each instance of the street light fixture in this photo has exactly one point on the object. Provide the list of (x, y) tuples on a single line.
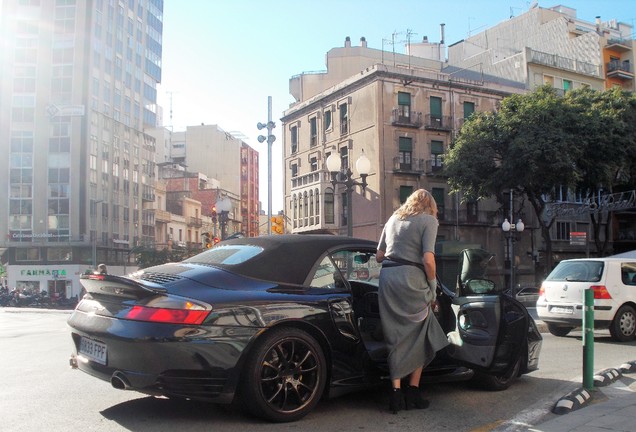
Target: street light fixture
[(223, 207), (510, 231), (344, 176)]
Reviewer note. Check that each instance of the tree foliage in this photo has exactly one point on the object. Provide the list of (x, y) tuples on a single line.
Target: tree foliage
[(541, 142)]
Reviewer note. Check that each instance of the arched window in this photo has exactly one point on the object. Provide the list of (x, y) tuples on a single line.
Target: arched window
[(311, 208), (301, 211), (306, 206), (295, 211), (317, 210), (329, 206)]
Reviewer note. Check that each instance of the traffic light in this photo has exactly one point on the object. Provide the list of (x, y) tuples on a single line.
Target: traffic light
[(214, 216), (216, 240), (207, 240), (278, 224)]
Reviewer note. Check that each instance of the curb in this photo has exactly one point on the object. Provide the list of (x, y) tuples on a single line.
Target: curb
[(572, 401), (580, 397), (606, 377)]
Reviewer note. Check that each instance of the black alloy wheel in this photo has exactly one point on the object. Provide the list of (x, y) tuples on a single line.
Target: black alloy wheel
[(285, 375), (623, 327)]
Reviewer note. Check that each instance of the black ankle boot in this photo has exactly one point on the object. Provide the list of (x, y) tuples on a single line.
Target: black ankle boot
[(414, 399), (396, 402)]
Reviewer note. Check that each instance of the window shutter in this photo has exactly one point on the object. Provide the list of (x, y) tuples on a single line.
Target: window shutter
[(406, 144), (436, 107), (404, 98), (437, 147)]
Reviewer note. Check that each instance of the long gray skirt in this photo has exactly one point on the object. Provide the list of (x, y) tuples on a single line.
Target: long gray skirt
[(411, 331)]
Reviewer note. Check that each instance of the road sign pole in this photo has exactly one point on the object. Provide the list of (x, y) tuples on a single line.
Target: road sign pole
[(588, 339)]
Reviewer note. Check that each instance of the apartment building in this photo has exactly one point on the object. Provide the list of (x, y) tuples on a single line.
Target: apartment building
[(220, 157), (78, 81), (552, 46), (400, 111), (403, 111)]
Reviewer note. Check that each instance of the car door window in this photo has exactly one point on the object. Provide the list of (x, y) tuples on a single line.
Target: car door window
[(327, 275), (349, 265), (357, 265)]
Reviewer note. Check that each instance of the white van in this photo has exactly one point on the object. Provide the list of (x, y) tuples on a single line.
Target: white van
[(613, 281)]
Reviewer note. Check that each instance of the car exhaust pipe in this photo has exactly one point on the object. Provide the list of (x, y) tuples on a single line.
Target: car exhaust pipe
[(119, 381)]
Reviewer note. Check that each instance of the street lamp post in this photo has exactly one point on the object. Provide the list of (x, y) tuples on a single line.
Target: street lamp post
[(223, 207), (94, 237), (344, 175), (510, 231), (270, 140)]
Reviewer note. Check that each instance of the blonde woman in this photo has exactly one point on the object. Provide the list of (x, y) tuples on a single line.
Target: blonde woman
[(408, 282)]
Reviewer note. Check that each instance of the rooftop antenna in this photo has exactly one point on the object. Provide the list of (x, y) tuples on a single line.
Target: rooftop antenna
[(169, 93)]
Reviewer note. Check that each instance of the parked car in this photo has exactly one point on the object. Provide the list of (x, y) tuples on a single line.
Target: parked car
[(613, 281), (527, 295), (282, 321)]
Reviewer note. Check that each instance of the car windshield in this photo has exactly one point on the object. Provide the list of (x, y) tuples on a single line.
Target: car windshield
[(577, 271), (226, 255)]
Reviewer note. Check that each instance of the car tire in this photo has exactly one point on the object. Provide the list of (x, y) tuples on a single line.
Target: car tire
[(623, 327), (285, 375), (498, 382), (559, 330)]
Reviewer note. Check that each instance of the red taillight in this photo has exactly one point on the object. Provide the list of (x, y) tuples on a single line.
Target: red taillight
[(541, 291), (166, 315), (600, 292)]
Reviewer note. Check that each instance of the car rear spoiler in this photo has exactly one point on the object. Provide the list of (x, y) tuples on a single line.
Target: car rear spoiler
[(105, 284)]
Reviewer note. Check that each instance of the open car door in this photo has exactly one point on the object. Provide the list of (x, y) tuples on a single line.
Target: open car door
[(491, 329)]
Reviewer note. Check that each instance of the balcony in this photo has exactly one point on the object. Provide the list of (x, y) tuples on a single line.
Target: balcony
[(406, 118), (621, 70), (442, 123), (464, 217), (162, 216), (434, 169), (195, 222), (564, 63), (415, 167), (619, 45)]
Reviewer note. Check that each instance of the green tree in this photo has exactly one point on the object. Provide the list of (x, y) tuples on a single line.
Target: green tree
[(528, 146), (607, 132)]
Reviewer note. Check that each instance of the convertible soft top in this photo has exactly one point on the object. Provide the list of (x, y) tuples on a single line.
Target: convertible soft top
[(288, 258)]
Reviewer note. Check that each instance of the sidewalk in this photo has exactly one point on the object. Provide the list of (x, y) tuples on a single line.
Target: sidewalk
[(608, 408)]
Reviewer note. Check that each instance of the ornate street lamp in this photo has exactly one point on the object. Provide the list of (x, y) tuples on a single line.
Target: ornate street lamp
[(510, 231), (344, 175)]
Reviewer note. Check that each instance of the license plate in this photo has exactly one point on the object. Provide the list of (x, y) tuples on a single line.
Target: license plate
[(562, 309), (93, 350)]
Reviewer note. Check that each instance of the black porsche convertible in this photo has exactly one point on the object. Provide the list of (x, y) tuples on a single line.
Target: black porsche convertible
[(282, 321)]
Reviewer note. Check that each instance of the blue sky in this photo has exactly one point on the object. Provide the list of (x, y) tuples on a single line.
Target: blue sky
[(223, 58)]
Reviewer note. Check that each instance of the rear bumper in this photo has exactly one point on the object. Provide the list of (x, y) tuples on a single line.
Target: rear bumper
[(603, 314), (194, 362)]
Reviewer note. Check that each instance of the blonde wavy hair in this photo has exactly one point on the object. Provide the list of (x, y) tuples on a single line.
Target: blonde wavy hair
[(420, 201)]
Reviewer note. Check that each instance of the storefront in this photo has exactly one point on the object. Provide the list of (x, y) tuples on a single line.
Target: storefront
[(56, 281)]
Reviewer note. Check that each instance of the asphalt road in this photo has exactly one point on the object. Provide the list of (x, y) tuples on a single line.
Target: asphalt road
[(40, 392)]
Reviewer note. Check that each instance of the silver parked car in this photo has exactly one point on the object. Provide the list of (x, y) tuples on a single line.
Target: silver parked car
[(613, 281)]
